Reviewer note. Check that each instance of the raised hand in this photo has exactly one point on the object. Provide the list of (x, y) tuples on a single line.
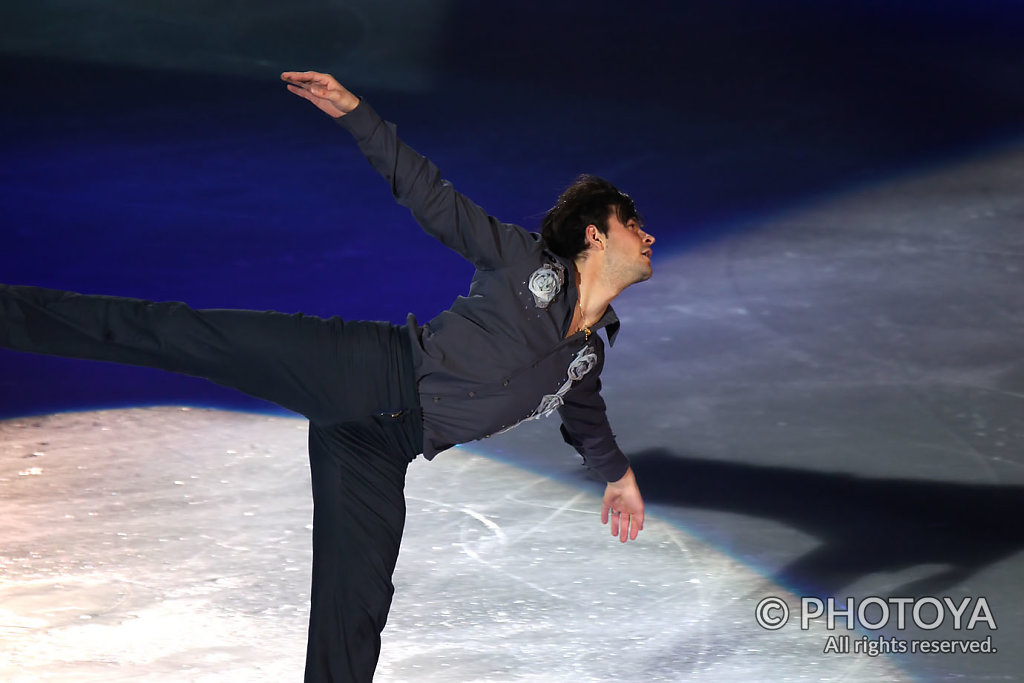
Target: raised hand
[(622, 499), (327, 94)]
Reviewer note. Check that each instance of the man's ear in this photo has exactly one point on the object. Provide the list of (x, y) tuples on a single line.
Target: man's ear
[(594, 237)]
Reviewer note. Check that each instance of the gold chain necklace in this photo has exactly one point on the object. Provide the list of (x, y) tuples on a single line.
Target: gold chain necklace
[(583, 321)]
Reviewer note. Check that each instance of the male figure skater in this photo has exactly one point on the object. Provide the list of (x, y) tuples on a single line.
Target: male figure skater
[(522, 345)]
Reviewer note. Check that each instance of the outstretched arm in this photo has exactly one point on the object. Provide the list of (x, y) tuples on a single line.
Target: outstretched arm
[(322, 90), (415, 182)]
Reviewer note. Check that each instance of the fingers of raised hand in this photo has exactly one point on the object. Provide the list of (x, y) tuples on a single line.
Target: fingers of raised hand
[(303, 76), (311, 80), (301, 92)]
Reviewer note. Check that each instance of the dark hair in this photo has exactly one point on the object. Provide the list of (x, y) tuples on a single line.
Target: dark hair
[(588, 201)]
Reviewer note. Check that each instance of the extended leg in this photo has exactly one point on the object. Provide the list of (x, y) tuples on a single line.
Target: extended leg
[(300, 362)]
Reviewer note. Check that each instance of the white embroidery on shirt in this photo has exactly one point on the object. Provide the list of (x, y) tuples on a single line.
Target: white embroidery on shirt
[(583, 363)]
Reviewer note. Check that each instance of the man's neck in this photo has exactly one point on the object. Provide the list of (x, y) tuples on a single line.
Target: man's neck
[(595, 292)]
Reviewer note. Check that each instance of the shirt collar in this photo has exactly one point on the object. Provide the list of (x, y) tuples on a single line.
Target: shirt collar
[(611, 325)]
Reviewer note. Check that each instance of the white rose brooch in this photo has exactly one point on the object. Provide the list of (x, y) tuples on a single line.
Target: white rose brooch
[(546, 282)]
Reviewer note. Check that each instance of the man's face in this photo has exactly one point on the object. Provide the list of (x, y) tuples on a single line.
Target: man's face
[(628, 252)]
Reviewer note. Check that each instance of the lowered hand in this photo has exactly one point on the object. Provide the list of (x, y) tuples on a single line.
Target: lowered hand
[(622, 499)]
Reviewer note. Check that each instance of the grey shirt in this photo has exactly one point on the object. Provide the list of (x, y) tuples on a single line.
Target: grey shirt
[(500, 355)]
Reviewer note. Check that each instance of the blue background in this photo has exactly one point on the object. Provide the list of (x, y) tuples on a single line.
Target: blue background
[(153, 153)]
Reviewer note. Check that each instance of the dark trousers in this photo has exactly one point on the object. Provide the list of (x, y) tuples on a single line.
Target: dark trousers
[(353, 380)]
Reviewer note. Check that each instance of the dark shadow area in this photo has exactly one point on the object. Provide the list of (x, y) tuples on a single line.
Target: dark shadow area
[(389, 43), (735, 108), (864, 525)]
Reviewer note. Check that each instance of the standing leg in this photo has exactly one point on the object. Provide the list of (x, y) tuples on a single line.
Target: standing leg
[(358, 471)]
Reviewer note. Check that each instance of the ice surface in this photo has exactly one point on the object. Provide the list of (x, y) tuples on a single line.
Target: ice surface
[(168, 544)]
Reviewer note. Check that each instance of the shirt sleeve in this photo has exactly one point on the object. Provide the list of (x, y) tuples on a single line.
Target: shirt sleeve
[(585, 427), (440, 210)]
